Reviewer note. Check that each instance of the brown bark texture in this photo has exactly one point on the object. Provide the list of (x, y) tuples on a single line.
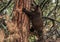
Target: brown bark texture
[(21, 20)]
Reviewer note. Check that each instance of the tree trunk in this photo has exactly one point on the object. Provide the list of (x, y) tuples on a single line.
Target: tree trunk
[(21, 20)]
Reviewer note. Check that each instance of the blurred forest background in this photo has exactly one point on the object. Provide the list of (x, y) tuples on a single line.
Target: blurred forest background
[(51, 20)]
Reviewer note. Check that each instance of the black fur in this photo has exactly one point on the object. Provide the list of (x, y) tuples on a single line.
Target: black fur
[(35, 18)]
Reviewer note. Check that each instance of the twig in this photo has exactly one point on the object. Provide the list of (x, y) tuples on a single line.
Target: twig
[(6, 6)]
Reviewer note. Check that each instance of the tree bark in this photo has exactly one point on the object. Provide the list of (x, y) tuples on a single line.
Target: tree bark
[(21, 20)]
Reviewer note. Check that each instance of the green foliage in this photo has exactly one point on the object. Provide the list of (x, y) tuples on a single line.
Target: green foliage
[(32, 38), (48, 7), (7, 11)]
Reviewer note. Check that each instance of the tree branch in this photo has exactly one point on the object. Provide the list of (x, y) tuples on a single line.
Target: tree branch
[(53, 9), (5, 6)]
